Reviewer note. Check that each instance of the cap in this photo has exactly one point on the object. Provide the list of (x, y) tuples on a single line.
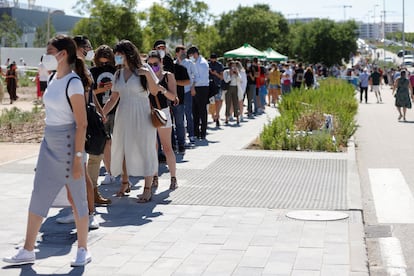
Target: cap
[(159, 42), (192, 50), (213, 55)]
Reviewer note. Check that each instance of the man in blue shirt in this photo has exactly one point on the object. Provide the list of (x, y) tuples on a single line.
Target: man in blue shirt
[(181, 55), (200, 91), (363, 84)]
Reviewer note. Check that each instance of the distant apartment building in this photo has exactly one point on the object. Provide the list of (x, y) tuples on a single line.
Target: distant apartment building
[(30, 16), (376, 31)]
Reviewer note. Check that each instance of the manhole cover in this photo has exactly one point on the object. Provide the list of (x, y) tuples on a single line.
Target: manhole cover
[(317, 215)]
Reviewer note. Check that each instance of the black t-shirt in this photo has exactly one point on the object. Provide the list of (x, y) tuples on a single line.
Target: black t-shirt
[(249, 72), (181, 74), (100, 76), (161, 98), (168, 63), (299, 73)]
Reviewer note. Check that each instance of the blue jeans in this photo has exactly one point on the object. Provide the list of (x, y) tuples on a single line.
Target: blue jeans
[(179, 130), (262, 94), (188, 109)]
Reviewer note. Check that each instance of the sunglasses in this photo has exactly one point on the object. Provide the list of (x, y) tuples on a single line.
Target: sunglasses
[(153, 64)]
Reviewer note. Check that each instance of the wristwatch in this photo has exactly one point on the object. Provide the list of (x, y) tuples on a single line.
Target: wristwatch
[(78, 154), (164, 91)]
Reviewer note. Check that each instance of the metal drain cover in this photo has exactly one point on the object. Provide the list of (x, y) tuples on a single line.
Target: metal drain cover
[(317, 215)]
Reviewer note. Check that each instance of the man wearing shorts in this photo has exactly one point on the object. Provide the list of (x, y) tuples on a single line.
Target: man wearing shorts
[(375, 79)]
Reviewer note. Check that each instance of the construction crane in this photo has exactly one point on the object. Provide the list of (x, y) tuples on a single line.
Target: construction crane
[(342, 7)]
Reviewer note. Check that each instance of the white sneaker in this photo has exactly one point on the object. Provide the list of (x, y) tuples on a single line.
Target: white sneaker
[(83, 257), (67, 219), (93, 223), (109, 179), (22, 257)]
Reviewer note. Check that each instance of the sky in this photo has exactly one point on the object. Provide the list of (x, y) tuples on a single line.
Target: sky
[(360, 10)]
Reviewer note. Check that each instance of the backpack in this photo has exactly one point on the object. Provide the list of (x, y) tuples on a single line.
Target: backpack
[(96, 135)]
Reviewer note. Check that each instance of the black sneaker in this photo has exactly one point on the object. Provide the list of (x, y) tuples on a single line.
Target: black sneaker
[(217, 123)]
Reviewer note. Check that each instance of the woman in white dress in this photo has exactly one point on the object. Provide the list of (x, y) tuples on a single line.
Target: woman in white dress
[(133, 149)]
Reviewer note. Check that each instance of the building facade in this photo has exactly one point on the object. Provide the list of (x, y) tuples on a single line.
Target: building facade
[(29, 17)]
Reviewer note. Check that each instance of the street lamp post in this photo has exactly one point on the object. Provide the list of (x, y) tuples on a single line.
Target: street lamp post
[(49, 15), (403, 27)]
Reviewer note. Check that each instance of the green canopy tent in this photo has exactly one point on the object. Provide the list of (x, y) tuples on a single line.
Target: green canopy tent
[(245, 51), (274, 56)]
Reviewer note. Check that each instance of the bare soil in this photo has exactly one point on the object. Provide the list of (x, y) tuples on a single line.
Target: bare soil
[(22, 132)]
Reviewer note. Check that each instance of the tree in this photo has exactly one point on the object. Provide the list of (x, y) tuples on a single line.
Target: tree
[(109, 22), (10, 32), (187, 16), (206, 40), (324, 40), (257, 25), (41, 38), (158, 22)]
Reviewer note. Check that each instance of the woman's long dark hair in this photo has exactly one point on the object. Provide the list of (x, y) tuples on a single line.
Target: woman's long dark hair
[(104, 51), (131, 53), (64, 42)]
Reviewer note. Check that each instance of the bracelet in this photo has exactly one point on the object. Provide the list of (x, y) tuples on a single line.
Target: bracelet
[(164, 92)]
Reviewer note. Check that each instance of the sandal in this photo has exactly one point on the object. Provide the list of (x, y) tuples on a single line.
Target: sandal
[(146, 195), (173, 184), (125, 188)]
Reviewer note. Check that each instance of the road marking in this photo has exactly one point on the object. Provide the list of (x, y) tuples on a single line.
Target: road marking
[(392, 256), (393, 200)]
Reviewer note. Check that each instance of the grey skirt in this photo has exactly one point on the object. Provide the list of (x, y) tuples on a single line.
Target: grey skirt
[(54, 170)]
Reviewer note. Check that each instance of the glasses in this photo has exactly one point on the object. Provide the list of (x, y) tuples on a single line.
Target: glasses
[(153, 64)]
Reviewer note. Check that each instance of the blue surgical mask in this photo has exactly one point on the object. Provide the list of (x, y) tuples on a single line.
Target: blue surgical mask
[(119, 60)]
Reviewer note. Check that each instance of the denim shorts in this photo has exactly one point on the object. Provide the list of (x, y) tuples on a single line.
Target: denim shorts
[(218, 96), (274, 86)]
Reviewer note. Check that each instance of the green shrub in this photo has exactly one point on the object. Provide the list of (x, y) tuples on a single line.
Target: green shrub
[(301, 124), (13, 116)]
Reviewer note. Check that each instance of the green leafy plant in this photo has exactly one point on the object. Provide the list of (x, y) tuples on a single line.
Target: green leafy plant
[(302, 124)]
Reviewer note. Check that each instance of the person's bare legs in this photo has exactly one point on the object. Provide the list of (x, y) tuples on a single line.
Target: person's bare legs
[(404, 112), (107, 156), (125, 186), (34, 222), (399, 111), (165, 138)]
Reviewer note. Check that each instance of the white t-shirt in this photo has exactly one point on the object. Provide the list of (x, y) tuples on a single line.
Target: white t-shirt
[(58, 111)]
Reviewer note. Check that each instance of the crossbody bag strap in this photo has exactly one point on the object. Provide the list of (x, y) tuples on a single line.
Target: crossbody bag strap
[(67, 96), (157, 101)]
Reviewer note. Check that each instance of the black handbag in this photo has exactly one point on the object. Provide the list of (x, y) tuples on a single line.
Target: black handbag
[(96, 136)]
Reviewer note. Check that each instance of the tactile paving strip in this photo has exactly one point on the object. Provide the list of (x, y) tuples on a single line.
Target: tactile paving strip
[(269, 182)]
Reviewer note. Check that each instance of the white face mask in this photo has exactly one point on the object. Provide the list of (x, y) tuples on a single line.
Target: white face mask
[(50, 62), (90, 55), (192, 58), (162, 53), (248, 64)]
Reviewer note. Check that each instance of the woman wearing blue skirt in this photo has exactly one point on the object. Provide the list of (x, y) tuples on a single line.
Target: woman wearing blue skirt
[(60, 160)]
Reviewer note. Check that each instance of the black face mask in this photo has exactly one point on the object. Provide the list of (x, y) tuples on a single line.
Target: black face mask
[(105, 64)]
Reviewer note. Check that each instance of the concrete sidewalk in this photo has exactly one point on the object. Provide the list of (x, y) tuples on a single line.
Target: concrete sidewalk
[(228, 216)]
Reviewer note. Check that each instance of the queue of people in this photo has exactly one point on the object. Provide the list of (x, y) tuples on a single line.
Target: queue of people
[(124, 87)]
